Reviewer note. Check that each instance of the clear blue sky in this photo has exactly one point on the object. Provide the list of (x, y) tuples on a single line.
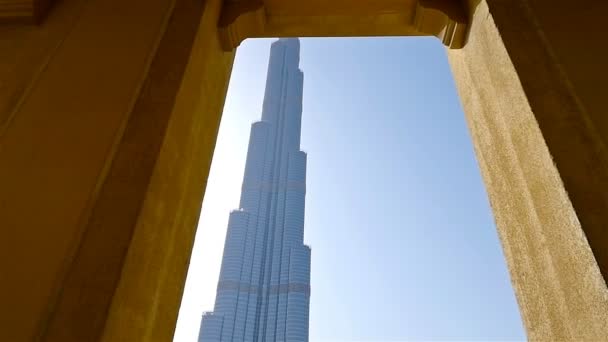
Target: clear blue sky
[(404, 246)]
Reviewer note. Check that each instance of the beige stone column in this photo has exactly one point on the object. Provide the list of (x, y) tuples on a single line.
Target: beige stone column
[(109, 111), (532, 81)]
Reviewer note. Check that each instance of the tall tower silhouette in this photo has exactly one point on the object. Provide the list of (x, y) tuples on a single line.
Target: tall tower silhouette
[(264, 288)]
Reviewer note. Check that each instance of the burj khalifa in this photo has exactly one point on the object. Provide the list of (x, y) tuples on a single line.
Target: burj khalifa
[(264, 287)]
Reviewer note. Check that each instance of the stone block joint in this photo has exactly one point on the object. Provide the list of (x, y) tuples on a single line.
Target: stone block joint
[(240, 20), (444, 19)]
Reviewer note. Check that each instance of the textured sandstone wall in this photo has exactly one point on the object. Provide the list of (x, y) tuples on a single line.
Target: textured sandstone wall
[(524, 120)]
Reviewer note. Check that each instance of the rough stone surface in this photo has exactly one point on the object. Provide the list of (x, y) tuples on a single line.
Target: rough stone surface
[(146, 302), (559, 286)]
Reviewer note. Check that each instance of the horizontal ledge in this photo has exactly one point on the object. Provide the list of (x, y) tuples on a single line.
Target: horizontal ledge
[(426, 18), (23, 11)]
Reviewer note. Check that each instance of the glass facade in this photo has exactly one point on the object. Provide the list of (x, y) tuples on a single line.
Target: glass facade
[(264, 288)]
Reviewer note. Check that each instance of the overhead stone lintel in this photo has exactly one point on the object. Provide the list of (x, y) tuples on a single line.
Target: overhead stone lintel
[(242, 19)]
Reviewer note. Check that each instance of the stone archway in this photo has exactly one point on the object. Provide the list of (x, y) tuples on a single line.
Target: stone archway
[(109, 112)]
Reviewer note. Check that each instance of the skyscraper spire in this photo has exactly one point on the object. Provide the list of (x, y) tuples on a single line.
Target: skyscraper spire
[(264, 288)]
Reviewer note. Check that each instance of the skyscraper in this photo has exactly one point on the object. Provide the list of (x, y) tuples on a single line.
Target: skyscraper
[(264, 287)]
